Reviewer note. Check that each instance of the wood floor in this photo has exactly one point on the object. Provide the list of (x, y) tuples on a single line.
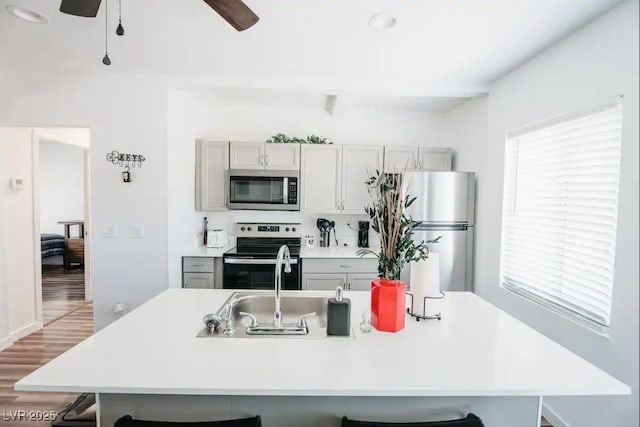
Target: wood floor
[(62, 291), (33, 351)]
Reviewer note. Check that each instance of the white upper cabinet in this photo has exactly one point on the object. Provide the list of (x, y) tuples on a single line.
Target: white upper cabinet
[(321, 177), (246, 155), (359, 163), (212, 163), (417, 158), (282, 156), (396, 159), (260, 155), (438, 159)]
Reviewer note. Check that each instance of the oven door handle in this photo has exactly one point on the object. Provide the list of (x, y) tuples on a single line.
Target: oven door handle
[(250, 261)]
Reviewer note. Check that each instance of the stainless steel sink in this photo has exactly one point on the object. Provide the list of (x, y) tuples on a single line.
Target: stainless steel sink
[(262, 306)]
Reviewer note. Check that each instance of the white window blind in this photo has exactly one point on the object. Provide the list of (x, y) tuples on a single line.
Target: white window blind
[(560, 213)]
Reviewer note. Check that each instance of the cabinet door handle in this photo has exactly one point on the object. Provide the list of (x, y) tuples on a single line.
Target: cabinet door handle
[(186, 282), (345, 266), (348, 282), (266, 160)]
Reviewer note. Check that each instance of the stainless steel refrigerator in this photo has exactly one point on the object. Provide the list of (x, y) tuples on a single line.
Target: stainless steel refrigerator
[(445, 205)]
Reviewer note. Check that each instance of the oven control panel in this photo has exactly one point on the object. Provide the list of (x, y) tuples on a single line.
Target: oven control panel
[(254, 229)]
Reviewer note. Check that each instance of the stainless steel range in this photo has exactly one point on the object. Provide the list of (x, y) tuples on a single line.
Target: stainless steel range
[(251, 265)]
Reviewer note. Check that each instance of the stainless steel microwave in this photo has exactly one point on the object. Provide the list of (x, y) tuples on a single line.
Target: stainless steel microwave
[(255, 189)]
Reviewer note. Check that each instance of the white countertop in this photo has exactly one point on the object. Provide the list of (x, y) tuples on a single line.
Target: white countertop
[(475, 350), (333, 252), (202, 251), (305, 252)]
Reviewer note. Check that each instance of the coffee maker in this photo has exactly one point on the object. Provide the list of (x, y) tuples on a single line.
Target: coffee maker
[(363, 234)]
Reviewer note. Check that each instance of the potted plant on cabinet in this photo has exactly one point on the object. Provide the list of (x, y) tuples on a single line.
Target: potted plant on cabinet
[(397, 248)]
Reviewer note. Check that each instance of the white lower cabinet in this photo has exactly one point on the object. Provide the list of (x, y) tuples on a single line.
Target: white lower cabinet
[(326, 274), (198, 273), (361, 281), (322, 281), (198, 280)]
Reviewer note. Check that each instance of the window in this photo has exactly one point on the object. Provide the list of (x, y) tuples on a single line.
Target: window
[(560, 212)]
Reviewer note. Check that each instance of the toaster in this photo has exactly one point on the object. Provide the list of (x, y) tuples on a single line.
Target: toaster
[(217, 238)]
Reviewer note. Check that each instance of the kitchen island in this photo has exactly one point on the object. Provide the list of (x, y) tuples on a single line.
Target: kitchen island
[(149, 364)]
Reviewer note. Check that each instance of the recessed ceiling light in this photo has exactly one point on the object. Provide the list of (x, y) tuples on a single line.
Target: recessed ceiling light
[(27, 14), (382, 21)]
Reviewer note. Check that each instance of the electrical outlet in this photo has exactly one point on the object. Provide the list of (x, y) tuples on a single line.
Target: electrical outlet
[(120, 309), (349, 221)]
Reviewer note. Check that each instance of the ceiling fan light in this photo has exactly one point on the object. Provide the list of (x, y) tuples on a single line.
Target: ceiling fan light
[(27, 14), (382, 21)]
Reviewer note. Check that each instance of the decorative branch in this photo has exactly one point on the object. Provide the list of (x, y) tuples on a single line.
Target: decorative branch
[(395, 229)]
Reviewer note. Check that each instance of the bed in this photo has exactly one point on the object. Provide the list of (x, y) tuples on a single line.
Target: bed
[(51, 245)]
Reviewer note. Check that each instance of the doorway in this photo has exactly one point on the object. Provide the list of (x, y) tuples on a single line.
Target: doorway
[(61, 210)]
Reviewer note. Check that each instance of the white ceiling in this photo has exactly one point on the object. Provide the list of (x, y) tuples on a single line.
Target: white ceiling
[(304, 99), (439, 47)]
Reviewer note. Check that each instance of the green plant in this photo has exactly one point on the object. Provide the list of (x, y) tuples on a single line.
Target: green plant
[(313, 139), (395, 229), (281, 138)]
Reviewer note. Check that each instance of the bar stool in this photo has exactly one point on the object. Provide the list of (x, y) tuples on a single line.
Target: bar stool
[(471, 420), (128, 421)]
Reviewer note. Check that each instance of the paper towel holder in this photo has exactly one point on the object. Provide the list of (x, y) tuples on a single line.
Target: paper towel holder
[(424, 315)]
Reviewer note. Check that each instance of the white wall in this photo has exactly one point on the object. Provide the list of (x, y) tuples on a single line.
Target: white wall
[(18, 315), (466, 132), (190, 119), (591, 66), (61, 178), (79, 137), (126, 113)]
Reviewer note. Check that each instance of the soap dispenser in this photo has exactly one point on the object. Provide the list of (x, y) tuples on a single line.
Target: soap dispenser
[(339, 315)]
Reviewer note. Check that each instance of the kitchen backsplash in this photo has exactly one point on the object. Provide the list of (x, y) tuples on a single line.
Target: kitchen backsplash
[(344, 233)]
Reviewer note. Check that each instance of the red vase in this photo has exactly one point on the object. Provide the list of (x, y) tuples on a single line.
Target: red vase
[(388, 305)]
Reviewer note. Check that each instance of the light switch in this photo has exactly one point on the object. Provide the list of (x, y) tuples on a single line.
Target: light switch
[(110, 232), (16, 183), (135, 231)]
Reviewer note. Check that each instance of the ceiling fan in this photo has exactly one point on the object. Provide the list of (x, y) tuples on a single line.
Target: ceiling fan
[(235, 12)]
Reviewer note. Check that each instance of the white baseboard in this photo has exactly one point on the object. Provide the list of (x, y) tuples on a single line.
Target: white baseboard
[(552, 417), (5, 342), (25, 330)]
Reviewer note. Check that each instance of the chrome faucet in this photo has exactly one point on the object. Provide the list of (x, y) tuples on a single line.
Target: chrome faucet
[(283, 255)]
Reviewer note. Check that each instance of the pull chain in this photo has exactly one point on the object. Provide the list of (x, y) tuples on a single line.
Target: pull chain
[(120, 29), (106, 60)]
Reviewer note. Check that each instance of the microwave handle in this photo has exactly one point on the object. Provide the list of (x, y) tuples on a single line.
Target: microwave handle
[(285, 190)]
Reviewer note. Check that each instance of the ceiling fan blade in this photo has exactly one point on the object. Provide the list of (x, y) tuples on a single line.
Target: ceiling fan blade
[(235, 12), (86, 8)]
